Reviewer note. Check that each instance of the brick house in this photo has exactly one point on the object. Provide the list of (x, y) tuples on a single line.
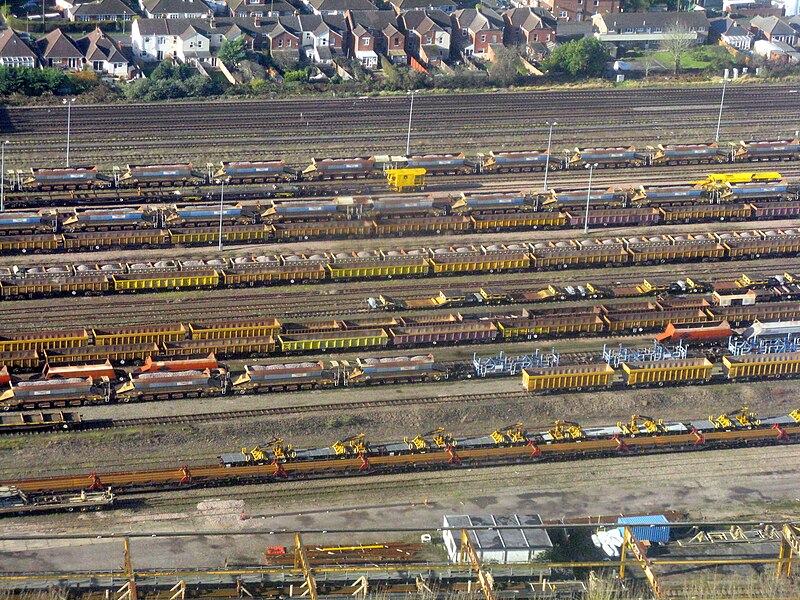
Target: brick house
[(427, 32), (474, 29), (774, 29), (58, 51), (282, 42), (375, 33), (526, 26), (579, 10)]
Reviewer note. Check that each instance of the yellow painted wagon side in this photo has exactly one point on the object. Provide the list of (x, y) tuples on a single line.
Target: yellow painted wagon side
[(360, 338), (567, 377), (235, 329), (24, 359), (781, 364), (31, 243), (660, 372), (113, 352), (377, 269), (41, 340), (139, 334), (521, 220), (258, 345), (166, 281)]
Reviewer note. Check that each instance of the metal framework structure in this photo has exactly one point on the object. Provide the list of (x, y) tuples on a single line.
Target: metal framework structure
[(764, 345), (503, 364), (658, 351)]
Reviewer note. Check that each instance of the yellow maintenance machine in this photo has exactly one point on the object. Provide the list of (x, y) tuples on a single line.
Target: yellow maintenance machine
[(566, 430), (352, 446), (274, 450), (641, 424), (740, 418), (406, 180), (718, 179)]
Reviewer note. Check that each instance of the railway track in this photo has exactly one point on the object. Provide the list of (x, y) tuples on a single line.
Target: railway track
[(350, 301), (136, 133)]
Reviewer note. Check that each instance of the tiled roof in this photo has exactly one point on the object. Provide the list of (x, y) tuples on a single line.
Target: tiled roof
[(57, 44), (12, 46), (103, 7)]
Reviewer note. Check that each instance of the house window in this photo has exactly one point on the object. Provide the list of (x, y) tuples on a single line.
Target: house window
[(657, 30), (494, 39), (548, 38), (397, 41), (97, 65), (483, 38), (280, 43), (628, 30), (562, 14), (596, 2), (160, 40), (428, 39), (333, 42), (464, 32), (535, 37), (365, 41)]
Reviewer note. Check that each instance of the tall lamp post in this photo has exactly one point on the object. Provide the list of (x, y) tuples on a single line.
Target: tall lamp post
[(3, 175), (221, 208), (721, 104), (69, 122), (410, 113), (591, 168), (547, 160)]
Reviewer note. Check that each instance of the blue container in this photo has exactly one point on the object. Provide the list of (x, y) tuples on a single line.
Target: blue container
[(645, 528)]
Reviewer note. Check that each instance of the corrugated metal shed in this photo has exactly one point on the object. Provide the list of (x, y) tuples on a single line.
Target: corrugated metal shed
[(647, 531)]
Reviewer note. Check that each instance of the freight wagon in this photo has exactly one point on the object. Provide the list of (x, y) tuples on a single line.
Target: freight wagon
[(772, 150), (340, 168), (70, 178), (264, 171), (674, 371), (454, 333), (173, 384), (441, 164), (395, 369), (285, 377), (607, 157), (160, 175), (519, 161), (14, 223), (260, 345), (110, 220), (55, 393), (690, 154), (306, 342), (568, 377), (119, 353)]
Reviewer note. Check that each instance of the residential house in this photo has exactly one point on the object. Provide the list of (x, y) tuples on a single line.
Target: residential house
[(282, 42), (14, 52), (320, 38), (260, 8), (526, 26), (428, 35), (175, 9), (57, 50), (157, 39), (650, 29), (375, 33), (737, 37), (773, 29), (102, 54), (337, 7), (579, 10), (101, 10), (777, 51), (403, 6), (474, 29)]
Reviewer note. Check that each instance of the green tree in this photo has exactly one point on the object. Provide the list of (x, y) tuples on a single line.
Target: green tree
[(585, 57), (232, 51), (506, 68), (300, 75)]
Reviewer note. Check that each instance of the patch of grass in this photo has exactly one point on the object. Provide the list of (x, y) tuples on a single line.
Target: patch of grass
[(695, 59)]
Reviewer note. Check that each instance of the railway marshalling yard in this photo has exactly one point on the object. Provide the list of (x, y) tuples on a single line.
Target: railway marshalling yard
[(751, 483)]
